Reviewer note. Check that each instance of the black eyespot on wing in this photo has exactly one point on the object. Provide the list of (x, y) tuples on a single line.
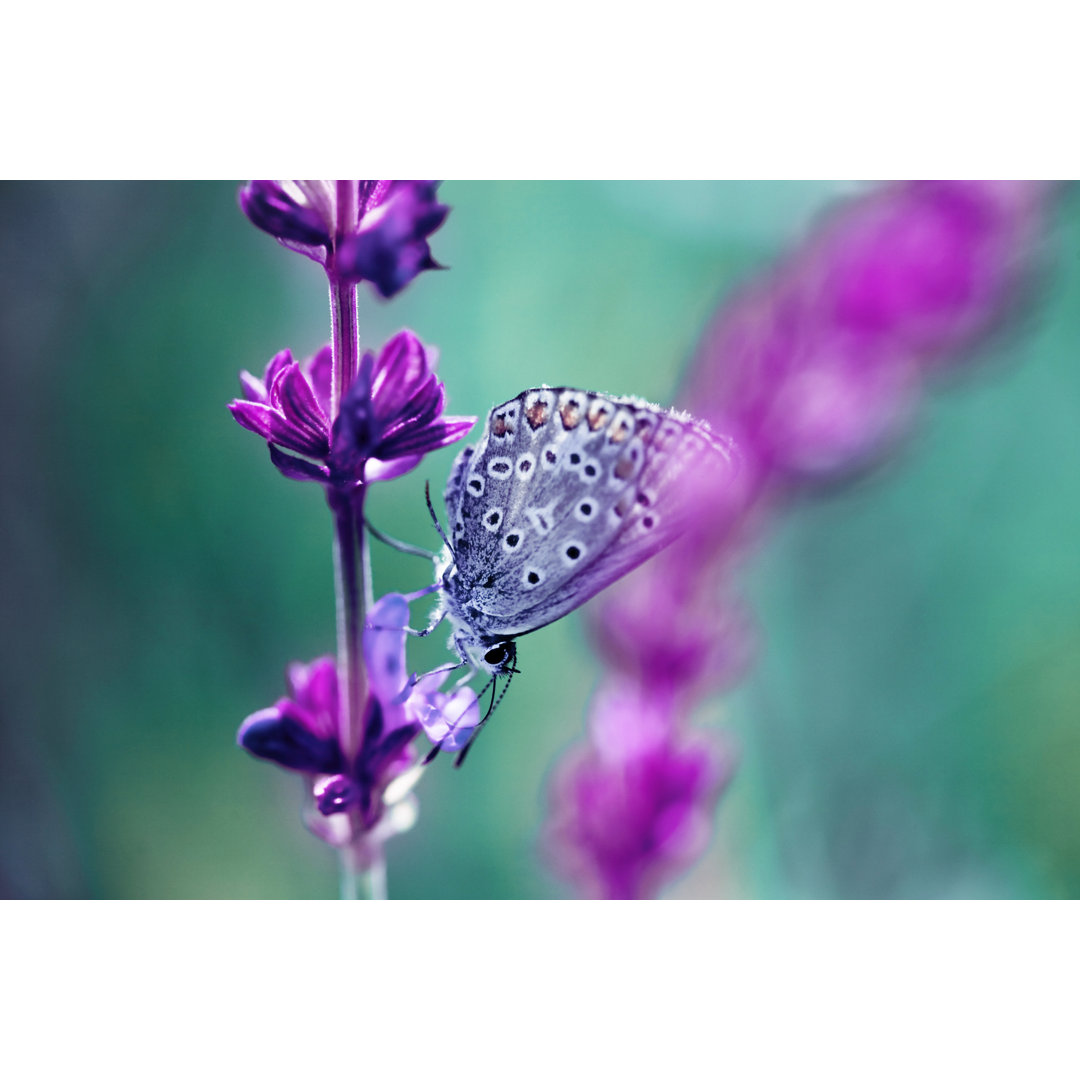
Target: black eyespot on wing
[(590, 470), (573, 552), (534, 578), (575, 458), (586, 508), (512, 540), (493, 518)]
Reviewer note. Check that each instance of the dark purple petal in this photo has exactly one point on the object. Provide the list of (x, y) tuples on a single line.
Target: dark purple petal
[(269, 206), (354, 434), (402, 368), (270, 425), (419, 412), (296, 468), (391, 247), (278, 363), (314, 688), (320, 371), (292, 394), (372, 193), (389, 751), (253, 416), (275, 736), (425, 439), (252, 388)]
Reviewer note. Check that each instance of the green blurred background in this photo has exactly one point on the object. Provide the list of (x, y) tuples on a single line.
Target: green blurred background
[(911, 727)]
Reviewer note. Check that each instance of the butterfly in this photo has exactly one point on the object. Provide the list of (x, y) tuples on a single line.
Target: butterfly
[(566, 492)]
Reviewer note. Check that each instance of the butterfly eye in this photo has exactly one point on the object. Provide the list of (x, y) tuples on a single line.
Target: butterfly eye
[(496, 655)]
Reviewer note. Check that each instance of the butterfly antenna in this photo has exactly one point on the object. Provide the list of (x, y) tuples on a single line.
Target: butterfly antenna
[(495, 703), (435, 518), (400, 545)]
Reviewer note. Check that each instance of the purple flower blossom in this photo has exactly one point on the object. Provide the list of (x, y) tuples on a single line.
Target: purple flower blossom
[(302, 731), (359, 230), (634, 807), (816, 369), (391, 416)]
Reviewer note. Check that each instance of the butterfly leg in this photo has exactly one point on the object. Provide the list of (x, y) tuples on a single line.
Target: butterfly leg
[(415, 677), (400, 545)]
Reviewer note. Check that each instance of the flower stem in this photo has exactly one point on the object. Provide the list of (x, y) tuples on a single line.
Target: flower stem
[(344, 341), (363, 872), (350, 589)]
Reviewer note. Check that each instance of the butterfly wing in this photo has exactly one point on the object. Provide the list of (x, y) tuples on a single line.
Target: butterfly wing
[(567, 492)]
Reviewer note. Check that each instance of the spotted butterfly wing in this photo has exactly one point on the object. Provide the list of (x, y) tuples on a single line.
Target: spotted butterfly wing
[(565, 493)]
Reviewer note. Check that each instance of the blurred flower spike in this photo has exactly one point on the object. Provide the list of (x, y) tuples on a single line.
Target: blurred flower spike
[(358, 230), (353, 797), (817, 367), (391, 415), (814, 369), (634, 807)]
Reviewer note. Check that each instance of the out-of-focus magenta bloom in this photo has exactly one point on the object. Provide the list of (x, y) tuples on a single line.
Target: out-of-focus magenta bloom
[(359, 230), (634, 807), (674, 637), (391, 416), (302, 731), (815, 369)]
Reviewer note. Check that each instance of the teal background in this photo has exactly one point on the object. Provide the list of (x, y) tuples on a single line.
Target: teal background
[(911, 727)]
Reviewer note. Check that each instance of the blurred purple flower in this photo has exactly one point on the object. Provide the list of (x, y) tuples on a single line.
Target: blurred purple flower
[(817, 368), (359, 230), (391, 416), (814, 370), (633, 808), (302, 731)]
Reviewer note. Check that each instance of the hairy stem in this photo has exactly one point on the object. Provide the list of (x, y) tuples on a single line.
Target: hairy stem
[(344, 341)]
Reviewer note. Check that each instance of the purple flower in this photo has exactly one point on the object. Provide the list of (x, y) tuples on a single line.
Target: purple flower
[(634, 808), (815, 369), (359, 230), (302, 731), (391, 415)]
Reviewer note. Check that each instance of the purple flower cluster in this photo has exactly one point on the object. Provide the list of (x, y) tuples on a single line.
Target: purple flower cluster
[(359, 230), (346, 419), (351, 793), (390, 417), (814, 370), (633, 806)]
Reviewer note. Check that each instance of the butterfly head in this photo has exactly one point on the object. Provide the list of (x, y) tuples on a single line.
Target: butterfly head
[(497, 657)]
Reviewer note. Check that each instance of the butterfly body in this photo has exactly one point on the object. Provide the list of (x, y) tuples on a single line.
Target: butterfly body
[(566, 492)]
